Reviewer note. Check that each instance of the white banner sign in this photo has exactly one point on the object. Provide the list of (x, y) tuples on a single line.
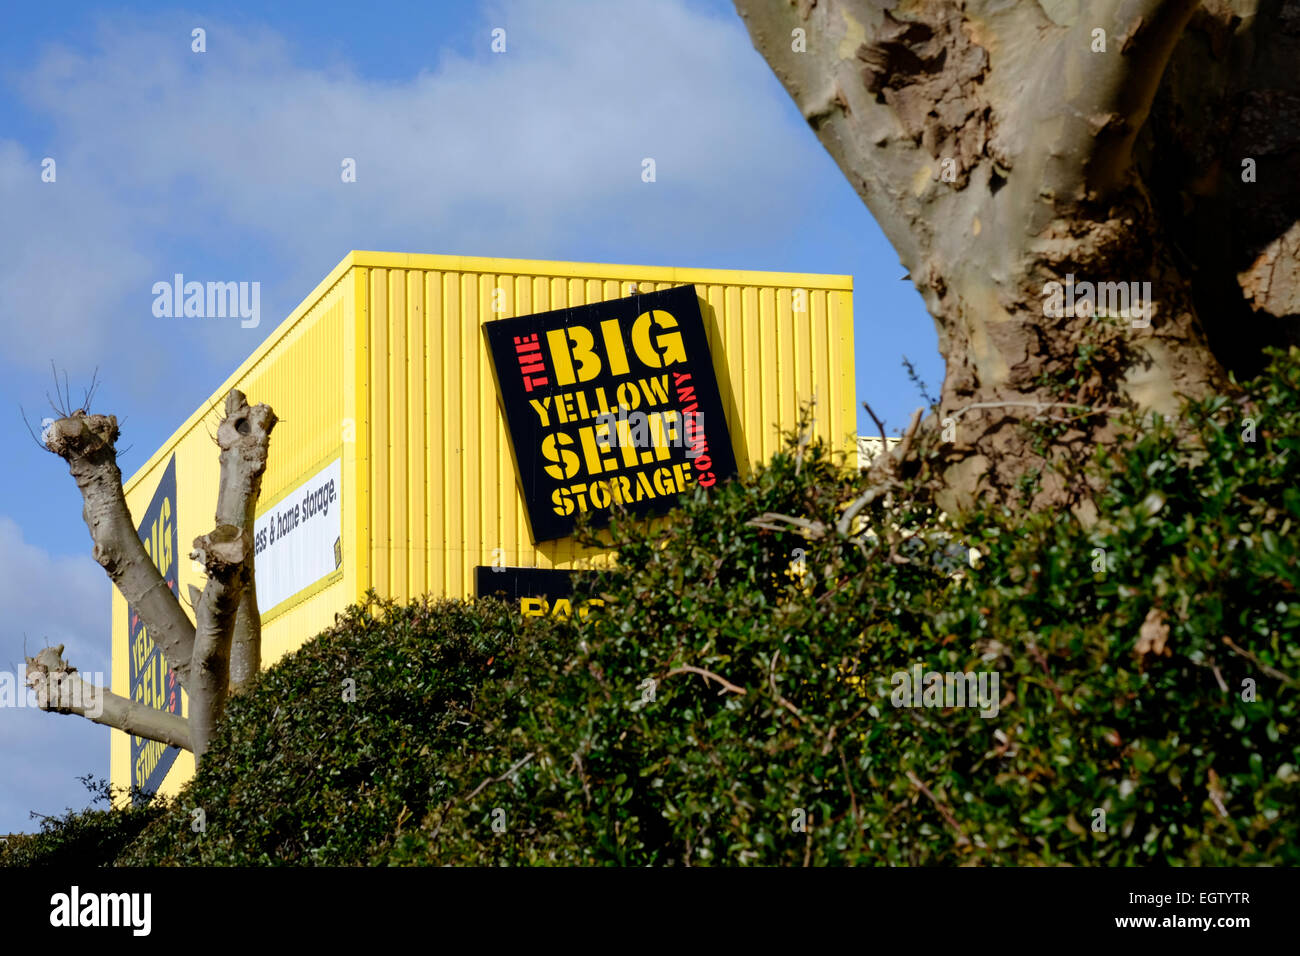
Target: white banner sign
[(298, 539)]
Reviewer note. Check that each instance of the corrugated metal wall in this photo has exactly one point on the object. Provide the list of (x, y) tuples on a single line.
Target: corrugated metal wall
[(443, 493), (385, 364)]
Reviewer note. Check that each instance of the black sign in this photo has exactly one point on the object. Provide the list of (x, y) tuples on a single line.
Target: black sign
[(153, 683), (538, 591), (611, 403), (512, 584)]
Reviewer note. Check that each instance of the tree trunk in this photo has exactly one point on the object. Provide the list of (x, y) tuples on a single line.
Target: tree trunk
[(88, 444), (220, 653), (1022, 155), (244, 437), (227, 556)]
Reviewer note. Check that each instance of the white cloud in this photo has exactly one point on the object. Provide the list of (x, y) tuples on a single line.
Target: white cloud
[(62, 264), (55, 600), (171, 161), (41, 757), (51, 600), (225, 166)]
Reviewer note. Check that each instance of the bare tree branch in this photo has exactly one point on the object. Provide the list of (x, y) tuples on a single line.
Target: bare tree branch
[(805, 526), (59, 689), (222, 553), (708, 676), (221, 653), (884, 441), (244, 437), (227, 621), (86, 443), (948, 818)]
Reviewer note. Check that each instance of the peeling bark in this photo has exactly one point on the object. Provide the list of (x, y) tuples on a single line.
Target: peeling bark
[(1001, 149)]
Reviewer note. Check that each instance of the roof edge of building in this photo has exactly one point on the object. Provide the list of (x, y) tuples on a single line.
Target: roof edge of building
[(598, 270), (323, 287)]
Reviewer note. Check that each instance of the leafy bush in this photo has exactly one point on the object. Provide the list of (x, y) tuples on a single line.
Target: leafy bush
[(725, 706), (341, 743), (80, 838), (1146, 670)]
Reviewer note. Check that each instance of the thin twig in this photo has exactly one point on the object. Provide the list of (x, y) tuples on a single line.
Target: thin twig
[(845, 522), (884, 442), (1270, 671), (853, 797), (1038, 656), (962, 839), (707, 675), (805, 438), (831, 736), (915, 376), (908, 435), (89, 394), (490, 780), (1213, 665), (771, 680), (23, 412), (61, 412), (1223, 686), (767, 520), (586, 791), (871, 494)]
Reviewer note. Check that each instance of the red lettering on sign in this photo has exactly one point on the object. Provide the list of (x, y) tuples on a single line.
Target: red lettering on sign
[(529, 354)]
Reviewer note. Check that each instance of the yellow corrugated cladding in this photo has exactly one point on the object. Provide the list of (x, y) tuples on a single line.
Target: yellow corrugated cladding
[(384, 366)]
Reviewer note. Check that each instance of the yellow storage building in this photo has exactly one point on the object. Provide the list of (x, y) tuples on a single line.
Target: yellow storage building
[(395, 464)]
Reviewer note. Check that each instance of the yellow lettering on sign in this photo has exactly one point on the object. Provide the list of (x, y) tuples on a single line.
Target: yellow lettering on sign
[(562, 503), (166, 534), (648, 350), (591, 438), (567, 344), (614, 347), (563, 607), (566, 462)]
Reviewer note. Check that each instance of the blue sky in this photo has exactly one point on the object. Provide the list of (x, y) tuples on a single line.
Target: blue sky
[(225, 165)]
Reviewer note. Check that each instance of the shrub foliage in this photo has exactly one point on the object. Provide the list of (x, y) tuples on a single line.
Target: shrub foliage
[(732, 702)]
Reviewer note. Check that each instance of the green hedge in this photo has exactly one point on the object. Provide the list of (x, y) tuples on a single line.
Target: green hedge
[(81, 838), (1121, 650), (1196, 529), (343, 744)]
